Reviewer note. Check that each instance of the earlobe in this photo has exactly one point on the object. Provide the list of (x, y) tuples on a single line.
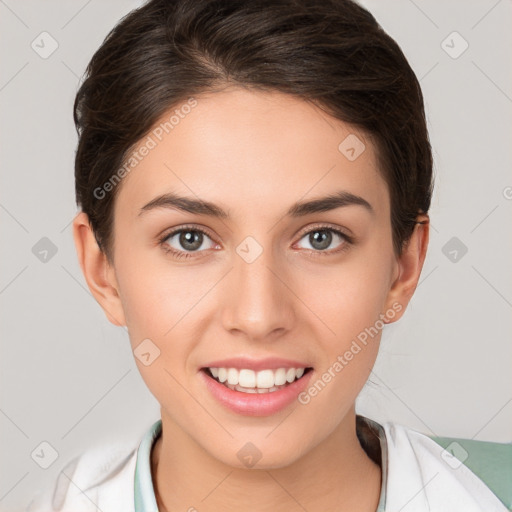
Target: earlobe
[(98, 273), (409, 266)]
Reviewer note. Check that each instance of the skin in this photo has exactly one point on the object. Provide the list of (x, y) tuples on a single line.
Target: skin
[(255, 154)]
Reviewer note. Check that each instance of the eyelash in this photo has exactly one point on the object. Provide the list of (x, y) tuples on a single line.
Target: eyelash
[(348, 241)]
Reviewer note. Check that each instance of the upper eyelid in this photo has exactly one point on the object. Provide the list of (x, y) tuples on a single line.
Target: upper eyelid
[(173, 232), (325, 226)]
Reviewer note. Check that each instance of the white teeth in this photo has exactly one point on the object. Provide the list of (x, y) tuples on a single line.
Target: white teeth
[(261, 381), (232, 376), (265, 379), (254, 390), (280, 377), (223, 374), (246, 390), (247, 378)]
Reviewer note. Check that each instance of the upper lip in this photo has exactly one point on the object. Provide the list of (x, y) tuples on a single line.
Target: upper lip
[(269, 363)]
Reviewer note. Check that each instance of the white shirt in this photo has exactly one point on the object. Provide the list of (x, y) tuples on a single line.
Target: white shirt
[(418, 475)]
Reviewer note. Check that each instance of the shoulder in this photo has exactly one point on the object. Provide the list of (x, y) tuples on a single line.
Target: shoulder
[(433, 473), (101, 478)]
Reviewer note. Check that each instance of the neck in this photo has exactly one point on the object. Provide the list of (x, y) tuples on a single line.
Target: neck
[(336, 475)]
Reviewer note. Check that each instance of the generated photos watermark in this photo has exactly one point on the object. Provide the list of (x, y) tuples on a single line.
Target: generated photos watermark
[(361, 340), (143, 149)]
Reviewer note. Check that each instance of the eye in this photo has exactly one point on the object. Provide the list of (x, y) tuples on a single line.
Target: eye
[(184, 241), (187, 240), (321, 237)]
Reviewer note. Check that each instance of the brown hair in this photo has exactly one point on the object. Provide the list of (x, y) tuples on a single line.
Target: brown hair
[(330, 52)]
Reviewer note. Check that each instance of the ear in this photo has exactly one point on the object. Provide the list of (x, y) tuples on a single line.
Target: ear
[(98, 273), (408, 268)]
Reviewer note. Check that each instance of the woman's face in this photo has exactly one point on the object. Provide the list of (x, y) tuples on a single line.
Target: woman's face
[(270, 279)]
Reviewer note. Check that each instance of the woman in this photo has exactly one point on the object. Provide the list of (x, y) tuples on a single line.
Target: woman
[(254, 179)]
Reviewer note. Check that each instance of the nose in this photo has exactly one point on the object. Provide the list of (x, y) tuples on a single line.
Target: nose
[(257, 304)]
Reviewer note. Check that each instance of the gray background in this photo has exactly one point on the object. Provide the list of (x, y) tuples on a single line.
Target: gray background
[(67, 375)]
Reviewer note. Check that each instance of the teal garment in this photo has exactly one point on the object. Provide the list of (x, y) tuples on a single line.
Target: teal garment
[(144, 494), (491, 461)]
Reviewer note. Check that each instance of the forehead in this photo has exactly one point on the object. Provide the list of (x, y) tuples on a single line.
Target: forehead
[(253, 152)]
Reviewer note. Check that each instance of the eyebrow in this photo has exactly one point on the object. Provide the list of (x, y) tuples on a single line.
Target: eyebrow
[(299, 209)]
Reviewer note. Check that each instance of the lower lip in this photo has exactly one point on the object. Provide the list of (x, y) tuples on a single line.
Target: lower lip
[(256, 404)]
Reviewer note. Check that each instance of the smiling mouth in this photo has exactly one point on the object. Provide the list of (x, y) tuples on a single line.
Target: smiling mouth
[(249, 381)]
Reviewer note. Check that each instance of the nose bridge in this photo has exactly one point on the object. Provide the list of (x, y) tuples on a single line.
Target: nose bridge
[(257, 303)]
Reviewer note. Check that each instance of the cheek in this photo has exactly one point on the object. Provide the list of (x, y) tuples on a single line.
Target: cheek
[(164, 303), (349, 297), (156, 305), (149, 291), (350, 305)]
